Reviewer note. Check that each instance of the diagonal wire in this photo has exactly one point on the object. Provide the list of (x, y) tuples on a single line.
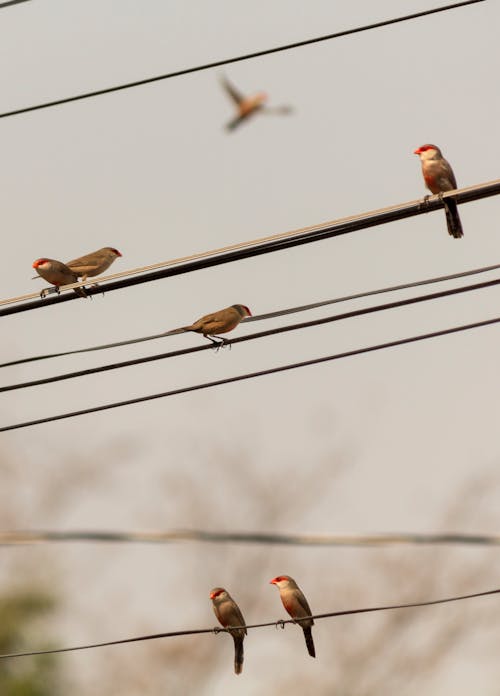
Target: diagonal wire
[(251, 337), (252, 375), (237, 59), (257, 247), (268, 315), (280, 623)]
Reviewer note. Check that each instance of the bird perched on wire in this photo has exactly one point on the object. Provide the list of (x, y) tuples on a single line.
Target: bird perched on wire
[(296, 605), (229, 615), (93, 264), (56, 273), (211, 325), (439, 177), (248, 105)]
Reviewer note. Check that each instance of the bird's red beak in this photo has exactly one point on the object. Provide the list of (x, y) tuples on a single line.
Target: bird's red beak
[(417, 151), (36, 263)]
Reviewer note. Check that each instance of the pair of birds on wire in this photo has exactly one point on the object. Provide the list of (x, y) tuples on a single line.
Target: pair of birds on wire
[(230, 617)]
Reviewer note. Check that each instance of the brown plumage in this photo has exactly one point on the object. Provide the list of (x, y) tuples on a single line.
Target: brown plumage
[(439, 177), (248, 105), (95, 263), (216, 323), (228, 614), (297, 606), (56, 273)]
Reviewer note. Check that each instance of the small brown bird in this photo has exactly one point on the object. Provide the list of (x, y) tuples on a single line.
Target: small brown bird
[(93, 264), (56, 273), (216, 323), (296, 605), (246, 106), (439, 177), (228, 614)]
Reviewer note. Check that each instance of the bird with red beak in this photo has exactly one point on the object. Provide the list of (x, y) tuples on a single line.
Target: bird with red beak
[(56, 273), (211, 325), (297, 606), (246, 106), (439, 177), (229, 615)]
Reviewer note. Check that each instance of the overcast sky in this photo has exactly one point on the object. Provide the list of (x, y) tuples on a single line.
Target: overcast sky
[(152, 171)]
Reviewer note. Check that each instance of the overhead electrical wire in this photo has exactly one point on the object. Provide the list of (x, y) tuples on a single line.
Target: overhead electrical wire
[(237, 59), (250, 337), (256, 247), (8, 3), (252, 375), (27, 537), (280, 623), (268, 315)]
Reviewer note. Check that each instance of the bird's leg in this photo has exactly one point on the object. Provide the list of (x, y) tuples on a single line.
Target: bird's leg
[(220, 343), (48, 291), (425, 203)]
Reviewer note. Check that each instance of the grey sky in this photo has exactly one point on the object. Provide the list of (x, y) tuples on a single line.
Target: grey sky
[(152, 172)]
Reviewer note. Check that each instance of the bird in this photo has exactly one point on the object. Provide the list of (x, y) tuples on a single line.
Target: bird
[(248, 105), (296, 605), (216, 323), (56, 273), (229, 615), (439, 177), (93, 264)]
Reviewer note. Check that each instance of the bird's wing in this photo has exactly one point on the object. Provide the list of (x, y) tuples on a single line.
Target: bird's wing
[(235, 94), (303, 603)]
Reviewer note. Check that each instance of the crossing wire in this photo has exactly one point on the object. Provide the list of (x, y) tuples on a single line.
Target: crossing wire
[(252, 375), (251, 337), (268, 315), (237, 59)]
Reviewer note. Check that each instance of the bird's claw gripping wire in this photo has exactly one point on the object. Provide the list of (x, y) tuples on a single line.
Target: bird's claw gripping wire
[(220, 343), (280, 623), (216, 630), (49, 291), (424, 204)]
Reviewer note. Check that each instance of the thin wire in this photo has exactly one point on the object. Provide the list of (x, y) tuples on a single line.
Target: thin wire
[(11, 2), (251, 337), (280, 623), (228, 61), (16, 538), (268, 315), (251, 375), (256, 247)]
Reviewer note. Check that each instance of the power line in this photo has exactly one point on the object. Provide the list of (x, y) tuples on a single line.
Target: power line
[(281, 623), (252, 375), (16, 538), (256, 247), (11, 2), (268, 315), (237, 59), (251, 337)]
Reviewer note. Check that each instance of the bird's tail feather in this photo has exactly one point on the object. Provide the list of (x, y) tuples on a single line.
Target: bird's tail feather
[(309, 641), (452, 218), (174, 332), (238, 654)]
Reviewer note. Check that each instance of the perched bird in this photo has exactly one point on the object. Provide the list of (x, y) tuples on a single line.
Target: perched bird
[(216, 323), (93, 264), (439, 177), (56, 273), (296, 605), (248, 105), (228, 614)]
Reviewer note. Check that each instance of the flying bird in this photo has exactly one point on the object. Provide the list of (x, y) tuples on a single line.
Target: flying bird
[(229, 615), (56, 273), (439, 177), (296, 605), (216, 323), (248, 105), (95, 263)]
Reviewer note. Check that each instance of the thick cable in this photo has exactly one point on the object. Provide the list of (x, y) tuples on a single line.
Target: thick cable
[(256, 247), (8, 3), (237, 59), (280, 623), (28, 537), (252, 375), (268, 315), (251, 337)]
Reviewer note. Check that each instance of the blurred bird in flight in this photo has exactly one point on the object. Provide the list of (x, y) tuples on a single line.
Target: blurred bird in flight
[(248, 105)]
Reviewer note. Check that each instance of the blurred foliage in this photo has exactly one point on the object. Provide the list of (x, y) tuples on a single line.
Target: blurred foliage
[(34, 676)]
